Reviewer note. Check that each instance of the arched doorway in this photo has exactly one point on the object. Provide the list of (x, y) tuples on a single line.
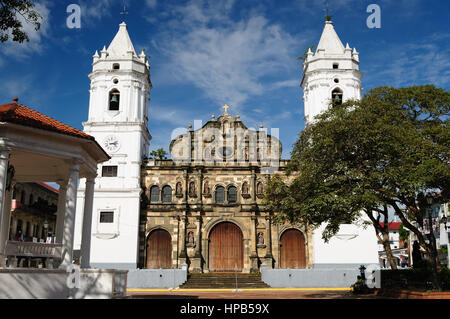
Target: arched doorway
[(226, 248), (292, 247), (159, 249)]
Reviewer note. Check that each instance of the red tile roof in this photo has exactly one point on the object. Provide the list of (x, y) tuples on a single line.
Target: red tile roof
[(49, 187), (19, 114), (392, 226)]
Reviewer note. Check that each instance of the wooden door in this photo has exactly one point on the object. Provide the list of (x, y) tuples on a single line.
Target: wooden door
[(292, 246), (226, 248), (159, 250)]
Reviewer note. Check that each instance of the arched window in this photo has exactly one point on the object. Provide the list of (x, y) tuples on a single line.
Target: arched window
[(232, 194), (114, 100), (22, 197), (167, 194), (116, 66), (336, 96), (154, 194), (220, 194), (31, 200)]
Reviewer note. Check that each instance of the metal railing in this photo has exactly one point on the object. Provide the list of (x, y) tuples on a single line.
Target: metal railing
[(27, 249)]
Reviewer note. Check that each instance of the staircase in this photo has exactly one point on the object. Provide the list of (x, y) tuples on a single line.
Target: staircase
[(223, 281)]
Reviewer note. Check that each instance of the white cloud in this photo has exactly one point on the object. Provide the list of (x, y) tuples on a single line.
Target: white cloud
[(151, 3), (413, 64), (228, 60), (92, 11)]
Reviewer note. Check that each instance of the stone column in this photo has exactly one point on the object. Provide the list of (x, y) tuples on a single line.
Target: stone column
[(269, 257), (60, 215), (70, 211), (254, 239), (253, 186), (197, 259), (183, 220), (200, 186), (87, 223)]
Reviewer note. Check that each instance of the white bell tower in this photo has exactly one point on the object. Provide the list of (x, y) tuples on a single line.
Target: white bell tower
[(331, 73), (118, 119)]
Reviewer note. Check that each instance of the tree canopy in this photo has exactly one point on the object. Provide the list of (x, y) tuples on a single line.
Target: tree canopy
[(13, 13)]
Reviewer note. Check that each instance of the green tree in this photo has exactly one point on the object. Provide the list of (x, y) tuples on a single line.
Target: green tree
[(160, 154), (386, 150), (11, 23), (403, 233)]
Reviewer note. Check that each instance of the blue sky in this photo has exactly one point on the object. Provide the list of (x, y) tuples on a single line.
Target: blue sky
[(207, 53)]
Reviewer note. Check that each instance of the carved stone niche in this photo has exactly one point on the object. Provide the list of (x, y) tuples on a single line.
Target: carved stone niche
[(192, 190), (244, 191), (206, 190), (190, 240), (179, 190), (260, 240)]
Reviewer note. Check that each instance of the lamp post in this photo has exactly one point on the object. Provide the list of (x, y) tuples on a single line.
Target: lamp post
[(429, 198), (444, 221)]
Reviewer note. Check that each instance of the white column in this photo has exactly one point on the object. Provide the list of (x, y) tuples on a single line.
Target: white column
[(4, 160), (4, 214), (69, 219), (61, 211), (87, 223)]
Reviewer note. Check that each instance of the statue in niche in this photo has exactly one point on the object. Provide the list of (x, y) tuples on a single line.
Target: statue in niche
[(192, 189), (260, 239), (190, 238), (179, 189), (245, 188), (206, 189), (259, 189)]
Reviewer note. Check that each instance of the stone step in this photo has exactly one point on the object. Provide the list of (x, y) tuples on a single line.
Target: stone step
[(223, 281)]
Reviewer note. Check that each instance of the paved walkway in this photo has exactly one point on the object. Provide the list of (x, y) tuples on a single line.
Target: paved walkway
[(300, 293)]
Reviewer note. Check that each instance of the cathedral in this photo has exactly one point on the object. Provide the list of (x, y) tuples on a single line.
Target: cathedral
[(204, 206)]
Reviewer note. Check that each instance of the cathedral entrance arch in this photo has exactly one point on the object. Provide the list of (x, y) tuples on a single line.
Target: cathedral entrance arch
[(226, 248), (159, 249), (292, 249)]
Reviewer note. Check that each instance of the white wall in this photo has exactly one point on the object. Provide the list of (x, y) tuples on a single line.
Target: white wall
[(352, 245)]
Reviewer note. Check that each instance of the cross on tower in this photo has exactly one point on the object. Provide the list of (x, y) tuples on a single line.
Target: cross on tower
[(226, 107), (327, 17), (124, 13)]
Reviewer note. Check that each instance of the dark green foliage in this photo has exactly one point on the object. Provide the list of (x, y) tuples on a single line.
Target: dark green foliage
[(10, 24), (160, 154), (414, 279), (403, 233)]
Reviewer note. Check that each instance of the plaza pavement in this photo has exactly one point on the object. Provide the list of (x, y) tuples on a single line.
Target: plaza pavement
[(271, 293)]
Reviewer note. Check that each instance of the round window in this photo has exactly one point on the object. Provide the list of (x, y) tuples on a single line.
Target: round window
[(226, 152), (336, 80)]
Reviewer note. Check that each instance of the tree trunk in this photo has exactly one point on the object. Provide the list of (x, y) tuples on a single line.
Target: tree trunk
[(383, 235)]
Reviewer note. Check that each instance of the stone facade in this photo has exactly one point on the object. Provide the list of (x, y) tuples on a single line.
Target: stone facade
[(195, 206), (33, 211)]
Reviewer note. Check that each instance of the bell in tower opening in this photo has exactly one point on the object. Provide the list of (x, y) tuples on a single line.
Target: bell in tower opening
[(114, 100)]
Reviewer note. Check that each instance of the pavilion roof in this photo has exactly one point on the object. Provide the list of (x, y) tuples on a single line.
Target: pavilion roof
[(20, 114)]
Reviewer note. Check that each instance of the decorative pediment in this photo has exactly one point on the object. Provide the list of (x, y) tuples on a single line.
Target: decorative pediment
[(225, 140)]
